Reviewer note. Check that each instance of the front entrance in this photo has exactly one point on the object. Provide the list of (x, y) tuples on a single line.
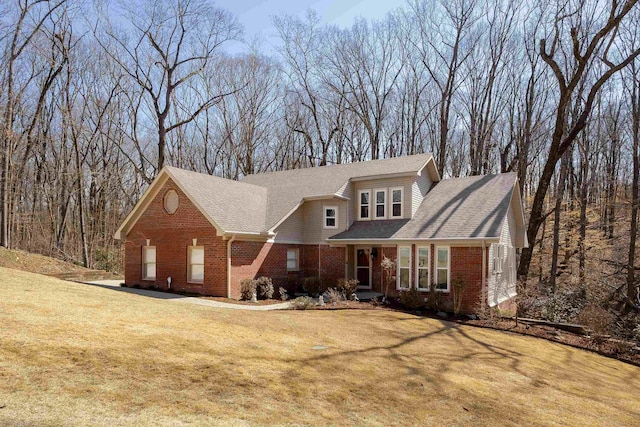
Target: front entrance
[(363, 267)]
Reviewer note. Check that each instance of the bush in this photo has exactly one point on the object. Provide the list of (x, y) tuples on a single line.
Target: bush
[(347, 287), (459, 285), (302, 303), (412, 299), (247, 289), (333, 295), (283, 294), (597, 319), (264, 287), (312, 285), (436, 299)]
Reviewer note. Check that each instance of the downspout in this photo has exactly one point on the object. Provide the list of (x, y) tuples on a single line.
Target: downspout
[(229, 242), (484, 295), (319, 266)]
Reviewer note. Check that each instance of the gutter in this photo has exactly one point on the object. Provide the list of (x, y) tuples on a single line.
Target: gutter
[(229, 242)]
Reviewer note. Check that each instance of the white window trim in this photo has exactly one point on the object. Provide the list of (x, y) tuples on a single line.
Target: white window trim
[(361, 218), (391, 190), (398, 287), (189, 264), (297, 252), (324, 217), (376, 204), (498, 258), (435, 267), (144, 258), (428, 268)]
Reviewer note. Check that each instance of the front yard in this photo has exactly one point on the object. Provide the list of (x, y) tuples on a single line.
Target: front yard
[(74, 354)]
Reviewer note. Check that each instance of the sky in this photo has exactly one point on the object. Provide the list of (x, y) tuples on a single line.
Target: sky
[(255, 15)]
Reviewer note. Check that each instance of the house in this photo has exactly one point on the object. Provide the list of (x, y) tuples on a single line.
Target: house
[(204, 234)]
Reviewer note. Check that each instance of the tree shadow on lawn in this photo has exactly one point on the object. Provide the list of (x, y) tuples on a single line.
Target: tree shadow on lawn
[(138, 291)]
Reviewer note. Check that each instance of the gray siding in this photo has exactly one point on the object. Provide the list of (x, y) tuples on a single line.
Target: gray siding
[(502, 286), (313, 217), (419, 188), (291, 229)]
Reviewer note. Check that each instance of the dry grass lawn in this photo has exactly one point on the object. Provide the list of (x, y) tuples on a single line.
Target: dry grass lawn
[(78, 355)]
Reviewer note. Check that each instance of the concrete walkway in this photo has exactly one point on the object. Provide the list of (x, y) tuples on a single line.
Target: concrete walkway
[(115, 285)]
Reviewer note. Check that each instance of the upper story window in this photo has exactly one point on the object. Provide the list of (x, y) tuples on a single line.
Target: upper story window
[(381, 203), (148, 263), (396, 202), (171, 202), (330, 216), (364, 203)]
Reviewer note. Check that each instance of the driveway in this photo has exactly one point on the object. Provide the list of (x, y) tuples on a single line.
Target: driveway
[(115, 285)]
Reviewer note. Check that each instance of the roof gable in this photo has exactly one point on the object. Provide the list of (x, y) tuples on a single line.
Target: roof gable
[(230, 206)]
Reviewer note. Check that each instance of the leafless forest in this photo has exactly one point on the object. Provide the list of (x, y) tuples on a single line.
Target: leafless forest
[(95, 97)]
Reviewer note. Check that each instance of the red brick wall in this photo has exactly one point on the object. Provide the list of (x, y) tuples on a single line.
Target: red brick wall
[(255, 259), (171, 235), (466, 264)]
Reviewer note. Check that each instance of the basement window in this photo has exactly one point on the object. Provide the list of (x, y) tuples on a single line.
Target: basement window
[(148, 263), (196, 264)]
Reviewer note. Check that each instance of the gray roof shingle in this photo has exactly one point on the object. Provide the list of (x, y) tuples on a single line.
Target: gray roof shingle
[(472, 207), (233, 205), (287, 188)]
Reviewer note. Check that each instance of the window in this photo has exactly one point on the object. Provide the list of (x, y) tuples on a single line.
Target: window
[(148, 263), (364, 197), (396, 202), (292, 259), (442, 268), (171, 202), (381, 203), (330, 216), (498, 258), (195, 272), (404, 267), (422, 271)]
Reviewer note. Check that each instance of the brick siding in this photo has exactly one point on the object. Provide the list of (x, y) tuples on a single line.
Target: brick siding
[(172, 235)]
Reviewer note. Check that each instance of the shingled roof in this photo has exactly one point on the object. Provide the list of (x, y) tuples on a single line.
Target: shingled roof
[(287, 189), (456, 208), (232, 205)]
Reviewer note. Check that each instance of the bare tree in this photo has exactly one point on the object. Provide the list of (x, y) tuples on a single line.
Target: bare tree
[(572, 60), (170, 44)]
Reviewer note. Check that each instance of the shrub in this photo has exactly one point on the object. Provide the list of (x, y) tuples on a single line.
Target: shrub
[(388, 267), (264, 287), (283, 294), (347, 287), (333, 295), (302, 303), (312, 285), (435, 298), (247, 289), (412, 299), (597, 319), (459, 285)]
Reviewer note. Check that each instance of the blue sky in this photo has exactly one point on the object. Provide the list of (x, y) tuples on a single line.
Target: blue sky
[(255, 15)]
